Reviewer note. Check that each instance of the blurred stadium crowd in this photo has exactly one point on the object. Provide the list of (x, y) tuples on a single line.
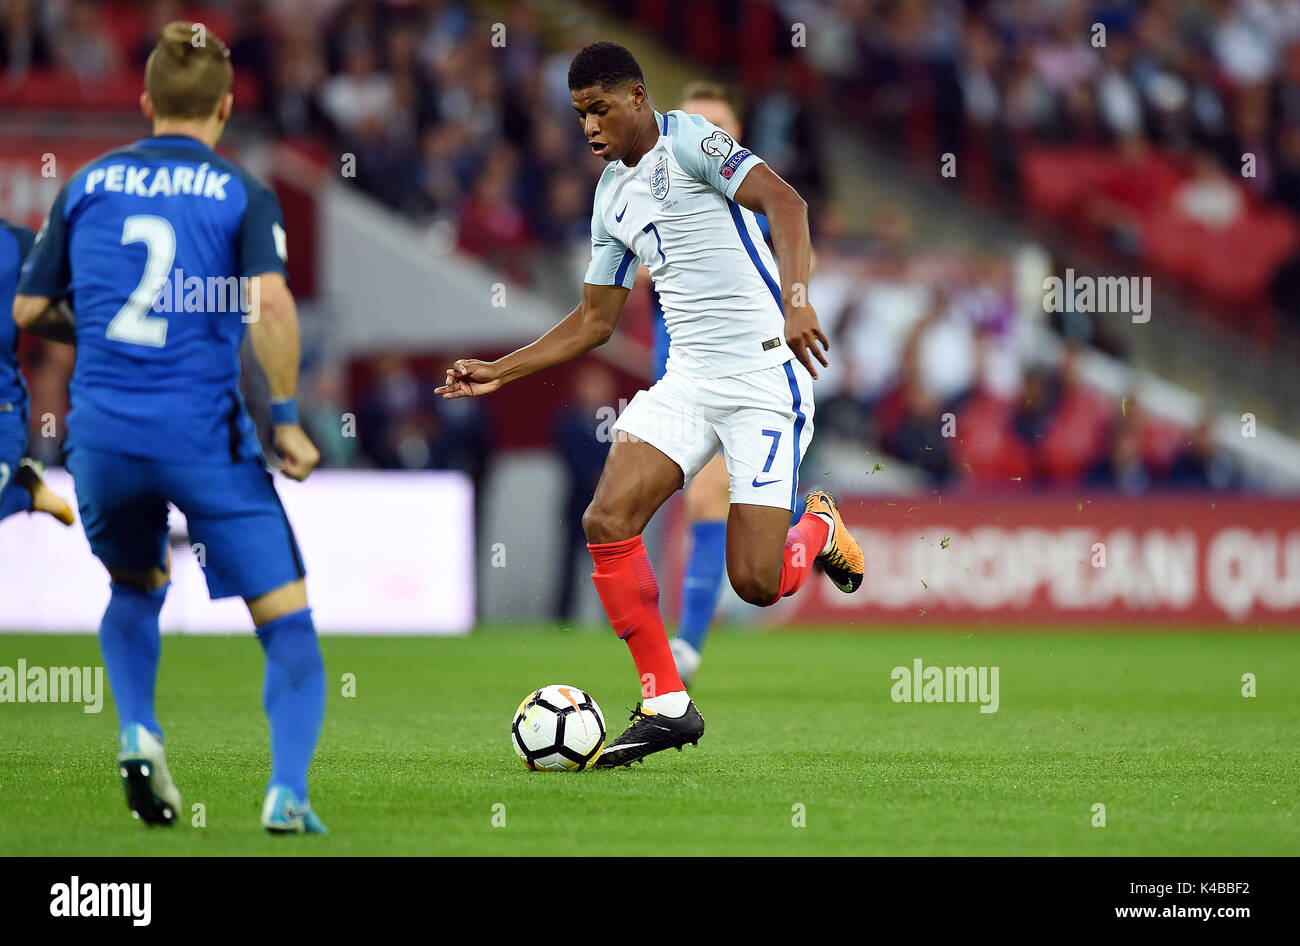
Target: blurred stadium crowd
[(1137, 144)]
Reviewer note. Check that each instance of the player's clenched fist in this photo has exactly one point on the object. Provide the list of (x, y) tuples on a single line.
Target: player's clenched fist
[(803, 334), (299, 453), (469, 377)]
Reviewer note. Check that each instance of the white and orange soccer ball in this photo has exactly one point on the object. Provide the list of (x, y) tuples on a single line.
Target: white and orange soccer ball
[(558, 729)]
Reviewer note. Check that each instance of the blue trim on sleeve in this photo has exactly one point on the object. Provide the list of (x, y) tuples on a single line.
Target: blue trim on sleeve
[(628, 256), (753, 253), (799, 420), (662, 343)]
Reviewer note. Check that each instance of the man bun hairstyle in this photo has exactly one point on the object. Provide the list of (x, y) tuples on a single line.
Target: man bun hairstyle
[(188, 73), (603, 64)]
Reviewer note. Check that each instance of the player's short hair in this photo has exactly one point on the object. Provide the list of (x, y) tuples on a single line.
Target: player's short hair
[(702, 90), (607, 65), (188, 73)]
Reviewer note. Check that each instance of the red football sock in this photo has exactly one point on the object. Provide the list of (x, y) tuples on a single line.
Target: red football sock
[(803, 544), (626, 583)]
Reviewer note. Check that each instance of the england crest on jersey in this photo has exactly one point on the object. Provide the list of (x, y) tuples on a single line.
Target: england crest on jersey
[(659, 179)]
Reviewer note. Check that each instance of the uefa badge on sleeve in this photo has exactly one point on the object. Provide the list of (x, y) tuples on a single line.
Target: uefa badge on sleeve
[(659, 179)]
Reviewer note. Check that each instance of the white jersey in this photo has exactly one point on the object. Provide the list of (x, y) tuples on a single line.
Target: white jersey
[(716, 278)]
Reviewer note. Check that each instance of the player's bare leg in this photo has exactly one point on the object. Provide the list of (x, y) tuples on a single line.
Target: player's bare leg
[(768, 560), (131, 644), (277, 603), (638, 478), (29, 477), (756, 536), (294, 700)]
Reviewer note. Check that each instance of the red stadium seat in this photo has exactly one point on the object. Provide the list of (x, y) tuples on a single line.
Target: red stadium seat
[(1056, 180), (1075, 437), (988, 450)]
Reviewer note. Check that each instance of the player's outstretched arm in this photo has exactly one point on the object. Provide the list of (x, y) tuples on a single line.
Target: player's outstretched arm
[(588, 326), (46, 318), (763, 191), (274, 331)]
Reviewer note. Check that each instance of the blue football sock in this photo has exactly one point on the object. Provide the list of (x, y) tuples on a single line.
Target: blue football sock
[(704, 573), (294, 696), (15, 499), (130, 642)]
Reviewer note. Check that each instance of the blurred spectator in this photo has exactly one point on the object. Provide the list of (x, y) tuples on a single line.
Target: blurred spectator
[(492, 224), (1038, 405), (917, 437), (1122, 468), (83, 46), (1209, 197), (290, 98), (358, 100), (157, 15), (1286, 182), (403, 425), (577, 430), (395, 427), (462, 440), (1203, 464), (23, 42), (780, 127), (326, 417), (1068, 438)]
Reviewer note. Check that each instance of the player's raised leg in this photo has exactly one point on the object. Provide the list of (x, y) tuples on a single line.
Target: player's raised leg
[(13, 498), (755, 534), (765, 440), (30, 479), (707, 503), (637, 480), (22, 487)]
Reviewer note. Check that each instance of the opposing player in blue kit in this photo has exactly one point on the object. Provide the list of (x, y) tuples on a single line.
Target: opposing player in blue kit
[(21, 486), (157, 246)]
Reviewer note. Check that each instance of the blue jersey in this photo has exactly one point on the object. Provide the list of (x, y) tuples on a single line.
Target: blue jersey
[(150, 242), (15, 242), (660, 364)]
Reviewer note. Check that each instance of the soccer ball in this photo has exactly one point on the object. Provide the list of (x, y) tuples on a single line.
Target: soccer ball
[(558, 729)]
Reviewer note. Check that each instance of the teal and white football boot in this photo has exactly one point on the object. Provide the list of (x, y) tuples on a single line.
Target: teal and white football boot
[(150, 793), (284, 813)]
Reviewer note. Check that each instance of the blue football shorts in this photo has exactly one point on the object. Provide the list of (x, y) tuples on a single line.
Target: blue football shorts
[(233, 511)]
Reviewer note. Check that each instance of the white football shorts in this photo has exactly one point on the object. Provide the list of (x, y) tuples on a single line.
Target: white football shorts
[(763, 420)]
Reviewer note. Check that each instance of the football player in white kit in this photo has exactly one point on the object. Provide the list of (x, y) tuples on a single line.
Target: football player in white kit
[(680, 195)]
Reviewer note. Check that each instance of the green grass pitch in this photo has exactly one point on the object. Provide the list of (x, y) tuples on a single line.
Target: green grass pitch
[(1153, 726)]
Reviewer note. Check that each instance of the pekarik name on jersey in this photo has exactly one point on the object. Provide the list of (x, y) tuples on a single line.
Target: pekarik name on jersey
[(200, 181), (127, 900)]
